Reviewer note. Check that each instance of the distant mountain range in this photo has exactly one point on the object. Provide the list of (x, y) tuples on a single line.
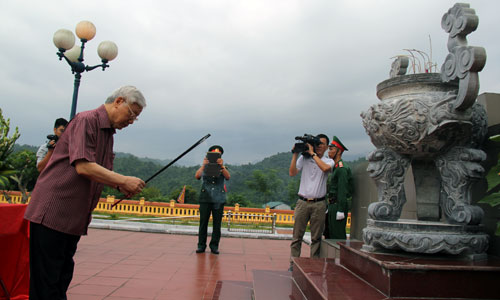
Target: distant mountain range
[(166, 161), (18, 147), (272, 171)]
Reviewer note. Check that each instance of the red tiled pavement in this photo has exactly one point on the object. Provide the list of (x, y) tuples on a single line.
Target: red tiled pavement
[(116, 265)]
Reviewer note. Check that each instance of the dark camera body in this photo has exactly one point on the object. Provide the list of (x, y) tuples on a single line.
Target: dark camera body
[(212, 168), (302, 147), (52, 137)]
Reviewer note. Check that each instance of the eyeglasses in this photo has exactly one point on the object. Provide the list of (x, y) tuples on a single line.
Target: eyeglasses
[(132, 115)]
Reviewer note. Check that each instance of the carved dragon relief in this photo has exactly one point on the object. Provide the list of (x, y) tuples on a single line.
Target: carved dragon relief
[(388, 169)]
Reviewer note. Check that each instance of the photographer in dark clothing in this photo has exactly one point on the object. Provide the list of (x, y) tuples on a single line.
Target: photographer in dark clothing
[(212, 199), (45, 151)]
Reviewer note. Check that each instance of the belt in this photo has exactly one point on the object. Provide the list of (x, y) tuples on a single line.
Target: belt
[(311, 199), (332, 200)]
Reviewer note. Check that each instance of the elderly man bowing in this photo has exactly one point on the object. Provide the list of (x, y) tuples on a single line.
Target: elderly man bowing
[(69, 188)]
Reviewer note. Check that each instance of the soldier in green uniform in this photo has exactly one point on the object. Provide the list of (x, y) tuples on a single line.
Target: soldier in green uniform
[(339, 191), (212, 199)]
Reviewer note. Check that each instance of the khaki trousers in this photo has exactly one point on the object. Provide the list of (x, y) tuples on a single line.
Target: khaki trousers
[(313, 212)]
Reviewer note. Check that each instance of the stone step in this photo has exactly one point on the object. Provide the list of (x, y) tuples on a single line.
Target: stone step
[(323, 278), (275, 285), (233, 290), (331, 249)]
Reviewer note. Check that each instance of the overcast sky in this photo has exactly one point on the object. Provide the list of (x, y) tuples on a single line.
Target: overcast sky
[(252, 73)]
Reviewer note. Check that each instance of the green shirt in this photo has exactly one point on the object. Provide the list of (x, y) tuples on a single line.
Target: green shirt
[(212, 189), (340, 186)]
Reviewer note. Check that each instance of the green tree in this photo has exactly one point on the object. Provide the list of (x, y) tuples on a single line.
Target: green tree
[(152, 193), (264, 183), (292, 191), (111, 192), (171, 181), (493, 194), (6, 148), (237, 198), (24, 163), (190, 197)]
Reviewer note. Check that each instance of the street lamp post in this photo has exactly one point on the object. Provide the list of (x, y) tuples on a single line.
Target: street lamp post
[(64, 40)]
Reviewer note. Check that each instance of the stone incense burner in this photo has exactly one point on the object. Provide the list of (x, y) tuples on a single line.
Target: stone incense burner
[(431, 122)]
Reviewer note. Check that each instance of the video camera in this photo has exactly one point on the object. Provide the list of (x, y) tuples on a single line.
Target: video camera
[(52, 137), (302, 147)]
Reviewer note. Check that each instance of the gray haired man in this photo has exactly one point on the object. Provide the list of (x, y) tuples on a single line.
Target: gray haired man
[(69, 189)]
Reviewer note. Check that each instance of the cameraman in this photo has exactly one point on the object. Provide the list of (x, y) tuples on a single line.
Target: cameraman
[(311, 205), (45, 151)]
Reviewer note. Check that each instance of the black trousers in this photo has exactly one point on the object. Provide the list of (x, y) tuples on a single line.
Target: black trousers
[(51, 262), (205, 210)]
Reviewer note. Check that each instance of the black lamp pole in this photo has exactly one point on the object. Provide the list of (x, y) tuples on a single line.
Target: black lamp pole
[(78, 68), (64, 40)]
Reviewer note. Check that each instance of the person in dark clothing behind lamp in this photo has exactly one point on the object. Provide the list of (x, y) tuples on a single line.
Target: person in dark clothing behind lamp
[(45, 151), (212, 197)]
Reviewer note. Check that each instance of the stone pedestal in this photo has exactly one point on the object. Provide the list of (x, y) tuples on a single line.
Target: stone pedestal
[(417, 275), (467, 241), (381, 276)]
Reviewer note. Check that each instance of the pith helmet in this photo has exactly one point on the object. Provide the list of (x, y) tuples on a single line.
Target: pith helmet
[(337, 143), (216, 148)]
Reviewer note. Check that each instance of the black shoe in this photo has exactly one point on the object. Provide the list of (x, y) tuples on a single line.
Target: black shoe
[(214, 251), (200, 250)]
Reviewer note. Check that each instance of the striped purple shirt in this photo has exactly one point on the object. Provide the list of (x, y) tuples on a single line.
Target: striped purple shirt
[(62, 199)]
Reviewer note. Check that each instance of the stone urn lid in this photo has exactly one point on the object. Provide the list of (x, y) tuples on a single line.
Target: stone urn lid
[(416, 116), (414, 84)]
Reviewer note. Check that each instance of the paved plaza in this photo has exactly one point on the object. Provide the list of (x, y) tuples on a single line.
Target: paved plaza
[(133, 264)]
